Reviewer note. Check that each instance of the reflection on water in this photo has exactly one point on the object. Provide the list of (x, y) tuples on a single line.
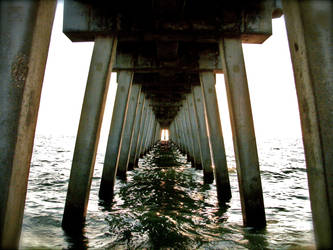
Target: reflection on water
[(162, 206), (164, 203)]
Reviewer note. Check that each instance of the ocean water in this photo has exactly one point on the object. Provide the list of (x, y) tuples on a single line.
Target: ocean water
[(164, 203)]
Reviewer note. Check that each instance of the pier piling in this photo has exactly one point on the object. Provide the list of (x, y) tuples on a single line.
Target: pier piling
[(25, 31), (88, 133), (206, 159), (309, 27), (216, 137), (245, 147), (195, 131), (127, 135), (116, 130), (136, 133)]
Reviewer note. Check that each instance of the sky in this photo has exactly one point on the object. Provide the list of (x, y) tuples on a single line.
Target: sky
[(269, 72)]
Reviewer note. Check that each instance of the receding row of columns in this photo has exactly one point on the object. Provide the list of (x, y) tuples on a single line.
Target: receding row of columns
[(24, 46), (197, 129), (133, 130)]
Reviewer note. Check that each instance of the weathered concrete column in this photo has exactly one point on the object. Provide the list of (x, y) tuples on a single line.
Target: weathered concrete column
[(157, 133), (88, 133), (204, 140), (148, 134), (183, 131), (194, 130), (126, 140), (178, 133), (136, 135), (188, 143), (116, 130), (172, 132), (145, 129), (207, 80), (25, 30), (310, 27), (141, 132), (153, 133), (243, 133), (193, 156)]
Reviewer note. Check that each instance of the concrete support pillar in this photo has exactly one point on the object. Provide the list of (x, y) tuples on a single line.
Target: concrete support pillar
[(310, 27), (171, 129), (183, 131), (189, 134), (153, 134), (157, 133), (136, 134), (141, 132), (25, 31), (88, 133), (182, 136), (195, 131), (243, 133), (207, 80), (178, 133), (149, 131), (126, 140), (176, 136), (188, 143), (145, 129), (204, 140), (116, 130)]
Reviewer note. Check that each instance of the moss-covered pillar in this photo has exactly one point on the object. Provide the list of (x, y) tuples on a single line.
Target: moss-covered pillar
[(243, 132), (206, 159), (310, 34), (25, 30), (126, 140), (116, 130)]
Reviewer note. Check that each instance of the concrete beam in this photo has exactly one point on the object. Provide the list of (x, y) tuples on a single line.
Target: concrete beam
[(85, 19), (243, 133), (25, 31), (309, 28), (116, 130)]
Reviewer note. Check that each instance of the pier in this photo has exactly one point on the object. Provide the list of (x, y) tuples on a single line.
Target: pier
[(166, 55)]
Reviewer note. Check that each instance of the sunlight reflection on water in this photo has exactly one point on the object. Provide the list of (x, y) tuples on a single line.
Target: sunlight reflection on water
[(168, 206)]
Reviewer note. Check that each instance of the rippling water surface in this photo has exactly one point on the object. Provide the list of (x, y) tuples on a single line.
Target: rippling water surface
[(164, 203)]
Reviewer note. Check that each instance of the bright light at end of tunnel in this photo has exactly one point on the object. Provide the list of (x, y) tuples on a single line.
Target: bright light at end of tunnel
[(165, 135)]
